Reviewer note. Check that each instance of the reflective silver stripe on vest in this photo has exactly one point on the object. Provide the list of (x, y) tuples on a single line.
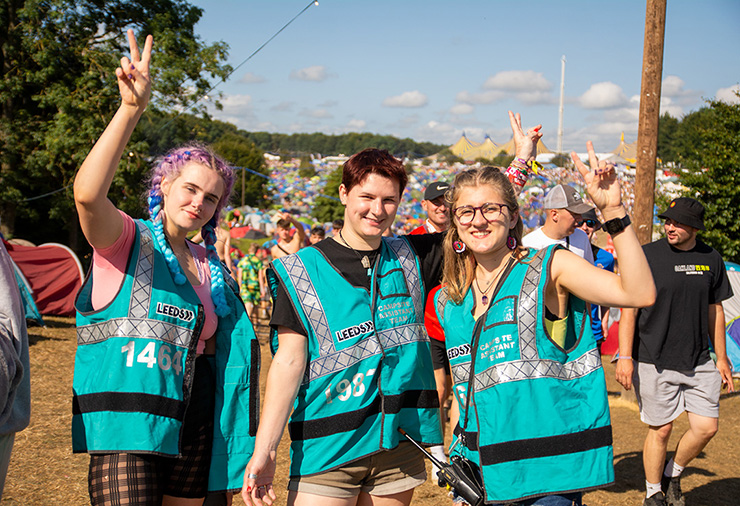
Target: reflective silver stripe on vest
[(141, 290), (309, 301), (407, 258), (134, 328), (366, 348), (527, 369), (461, 373), (442, 297), (527, 313)]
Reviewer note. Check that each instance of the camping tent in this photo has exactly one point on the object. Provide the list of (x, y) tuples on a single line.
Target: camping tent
[(732, 317), (29, 306), (54, 273)]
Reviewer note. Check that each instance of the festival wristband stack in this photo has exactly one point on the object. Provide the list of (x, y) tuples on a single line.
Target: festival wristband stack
[(518, 171)]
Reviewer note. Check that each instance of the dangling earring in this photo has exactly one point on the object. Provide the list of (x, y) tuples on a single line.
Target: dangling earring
[(511, 242), (458, 246)]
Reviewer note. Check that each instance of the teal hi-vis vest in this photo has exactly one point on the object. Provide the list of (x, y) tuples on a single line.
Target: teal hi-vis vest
[(539, 416), (135, 361), (369, 368)]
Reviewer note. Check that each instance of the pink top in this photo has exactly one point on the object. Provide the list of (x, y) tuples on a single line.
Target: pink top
[(109, 268)]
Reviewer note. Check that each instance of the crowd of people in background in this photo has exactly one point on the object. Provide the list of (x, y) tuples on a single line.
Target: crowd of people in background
[(496, 265)]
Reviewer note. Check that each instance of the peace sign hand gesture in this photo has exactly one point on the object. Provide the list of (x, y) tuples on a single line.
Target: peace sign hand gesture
[(525, 142), (601, 180), (133, 74)]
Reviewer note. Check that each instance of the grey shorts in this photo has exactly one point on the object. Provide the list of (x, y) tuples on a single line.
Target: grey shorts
[(384, 473), (664, 394)]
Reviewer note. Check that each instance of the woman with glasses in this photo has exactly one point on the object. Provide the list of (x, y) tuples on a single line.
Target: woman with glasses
[(533, 412)]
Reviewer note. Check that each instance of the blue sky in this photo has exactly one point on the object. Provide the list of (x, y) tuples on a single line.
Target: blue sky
[(432, 69)]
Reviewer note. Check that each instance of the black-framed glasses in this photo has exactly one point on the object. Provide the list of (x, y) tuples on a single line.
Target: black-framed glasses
[(490, 211), (590, 223)]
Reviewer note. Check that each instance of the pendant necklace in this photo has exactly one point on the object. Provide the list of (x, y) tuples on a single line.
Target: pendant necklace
[(484, 297), (364, 260)]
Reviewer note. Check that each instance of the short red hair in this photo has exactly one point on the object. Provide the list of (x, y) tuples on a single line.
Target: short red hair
[(373, 161)]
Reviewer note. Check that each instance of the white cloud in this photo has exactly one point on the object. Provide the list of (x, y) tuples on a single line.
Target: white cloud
[(672, 86), (285, 106), (329, 103), (251, 78), (668, 106), (441, 133), (728, 94), (356, 125), (518, 80), (316, 113), (486, 97), (315, 73), (236, 105), (604, 95), (407, 99), (460, 109)]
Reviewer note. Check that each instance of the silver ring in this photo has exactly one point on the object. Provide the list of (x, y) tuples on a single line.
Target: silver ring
[(252, 476)]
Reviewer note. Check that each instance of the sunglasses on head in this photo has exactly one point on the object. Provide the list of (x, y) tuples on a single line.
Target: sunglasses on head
[(590, 223)]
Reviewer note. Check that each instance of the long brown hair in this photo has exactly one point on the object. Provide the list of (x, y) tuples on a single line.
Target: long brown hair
[(459, 268)]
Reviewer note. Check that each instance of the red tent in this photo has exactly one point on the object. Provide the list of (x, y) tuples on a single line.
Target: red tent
[(54, 273)]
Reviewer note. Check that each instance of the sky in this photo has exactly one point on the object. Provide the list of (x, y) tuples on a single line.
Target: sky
[(432, 70)]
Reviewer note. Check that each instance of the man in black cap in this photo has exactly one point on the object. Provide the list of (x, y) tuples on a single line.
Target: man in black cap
[(434, 204), (673, 371)]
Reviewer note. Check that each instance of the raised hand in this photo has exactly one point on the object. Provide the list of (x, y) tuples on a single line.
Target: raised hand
[(601, 179), (525, 144), (133, 74)]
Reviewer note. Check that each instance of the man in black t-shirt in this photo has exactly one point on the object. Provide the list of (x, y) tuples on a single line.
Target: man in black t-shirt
[(669, 342)]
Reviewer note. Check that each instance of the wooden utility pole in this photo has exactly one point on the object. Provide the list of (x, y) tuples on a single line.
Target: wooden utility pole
[(647, 132)]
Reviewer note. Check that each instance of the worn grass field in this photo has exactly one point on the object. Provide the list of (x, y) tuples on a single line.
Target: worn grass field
[(43, 470)]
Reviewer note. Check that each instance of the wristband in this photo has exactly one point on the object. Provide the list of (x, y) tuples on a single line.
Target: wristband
[(624, 358), (523, 162), (517, 175)]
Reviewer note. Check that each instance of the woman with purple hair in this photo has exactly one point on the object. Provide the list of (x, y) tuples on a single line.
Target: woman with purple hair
[(166, 378)]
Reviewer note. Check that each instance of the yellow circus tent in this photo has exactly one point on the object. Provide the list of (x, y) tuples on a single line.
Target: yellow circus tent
[(627, 151), (508, 148), (462, 147), (488, 150)]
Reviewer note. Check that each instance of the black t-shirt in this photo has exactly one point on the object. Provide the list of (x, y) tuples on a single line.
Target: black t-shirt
[(674, 332), (347, 261)]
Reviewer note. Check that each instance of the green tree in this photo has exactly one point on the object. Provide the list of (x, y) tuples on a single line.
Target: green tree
[(502, 159), (561, 160), (58, 92), (249, 187), (668, 127), (713, 175), (327, 207)]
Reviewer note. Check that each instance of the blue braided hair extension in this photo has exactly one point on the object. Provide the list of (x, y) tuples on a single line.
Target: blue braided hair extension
[(208, 232), (155, 210)]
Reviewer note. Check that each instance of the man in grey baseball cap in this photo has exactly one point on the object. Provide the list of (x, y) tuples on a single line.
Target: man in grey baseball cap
[(563, 207)]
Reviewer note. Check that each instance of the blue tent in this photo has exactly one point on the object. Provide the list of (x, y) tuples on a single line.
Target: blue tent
[(732, 317), (32, 312)]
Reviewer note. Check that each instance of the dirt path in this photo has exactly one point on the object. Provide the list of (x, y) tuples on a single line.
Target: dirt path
[(44, 471)]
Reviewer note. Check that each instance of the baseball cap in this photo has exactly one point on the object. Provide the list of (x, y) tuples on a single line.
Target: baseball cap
[(591, 215), (436, 189), (565, 197), (686, 211)]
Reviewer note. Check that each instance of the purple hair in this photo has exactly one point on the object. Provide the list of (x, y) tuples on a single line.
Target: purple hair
[(170, 166)]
